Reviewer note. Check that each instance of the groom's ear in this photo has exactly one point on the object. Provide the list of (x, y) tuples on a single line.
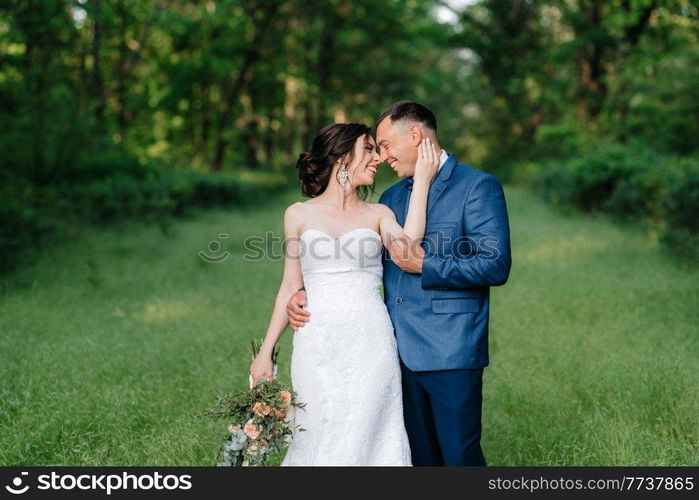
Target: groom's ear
[(415, 135)]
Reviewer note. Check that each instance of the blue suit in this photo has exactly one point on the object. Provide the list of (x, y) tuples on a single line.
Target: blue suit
[(441, 316)]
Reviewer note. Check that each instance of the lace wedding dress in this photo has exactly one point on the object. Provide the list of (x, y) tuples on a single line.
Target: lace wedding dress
[(344, 365)]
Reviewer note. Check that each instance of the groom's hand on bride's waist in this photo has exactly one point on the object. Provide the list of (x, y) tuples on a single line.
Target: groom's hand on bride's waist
[(298, 316)]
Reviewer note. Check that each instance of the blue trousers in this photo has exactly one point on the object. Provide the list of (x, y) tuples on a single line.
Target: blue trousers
[(442, 413)]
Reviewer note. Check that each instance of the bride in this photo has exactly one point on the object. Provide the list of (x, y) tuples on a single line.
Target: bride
[(344, 365)]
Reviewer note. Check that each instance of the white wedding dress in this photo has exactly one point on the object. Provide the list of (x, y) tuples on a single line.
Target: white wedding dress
[(344, 365)]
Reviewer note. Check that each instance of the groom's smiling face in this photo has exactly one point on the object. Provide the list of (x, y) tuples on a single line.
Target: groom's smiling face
[(398, 142)]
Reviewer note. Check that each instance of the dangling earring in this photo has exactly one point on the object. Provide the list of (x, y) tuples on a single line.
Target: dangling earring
[(342, 175)]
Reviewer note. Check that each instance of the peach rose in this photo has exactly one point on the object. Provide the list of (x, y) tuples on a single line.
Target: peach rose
[(286, 397), (250, 430), (257, 409), (233, 428), (280, 413)]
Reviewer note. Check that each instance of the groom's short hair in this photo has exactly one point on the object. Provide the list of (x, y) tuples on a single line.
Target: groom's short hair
[(410, 111)]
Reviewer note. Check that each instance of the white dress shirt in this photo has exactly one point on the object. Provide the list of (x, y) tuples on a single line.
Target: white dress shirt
[(442, 159)]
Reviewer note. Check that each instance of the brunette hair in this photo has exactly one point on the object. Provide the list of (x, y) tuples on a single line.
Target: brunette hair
[(333, 141)]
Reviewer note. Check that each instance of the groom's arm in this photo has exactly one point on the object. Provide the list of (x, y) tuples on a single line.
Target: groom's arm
[(487, 226)]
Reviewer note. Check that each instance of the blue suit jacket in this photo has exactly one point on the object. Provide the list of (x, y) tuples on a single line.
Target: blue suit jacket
[(441, 316)]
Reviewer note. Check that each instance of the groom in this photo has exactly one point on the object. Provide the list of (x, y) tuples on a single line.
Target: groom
[(437, 293)]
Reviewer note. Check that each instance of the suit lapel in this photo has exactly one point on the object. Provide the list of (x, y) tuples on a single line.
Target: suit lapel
[(439, 185), (405, 203), (400, 203), (441, 182)]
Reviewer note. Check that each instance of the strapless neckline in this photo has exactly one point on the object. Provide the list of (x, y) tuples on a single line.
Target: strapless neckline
[(342, 235)]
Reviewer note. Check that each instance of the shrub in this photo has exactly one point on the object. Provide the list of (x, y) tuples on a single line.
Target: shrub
[(681, 211), (557, 141), (631, 182), (589, 182), (21, 232), (114, 187)]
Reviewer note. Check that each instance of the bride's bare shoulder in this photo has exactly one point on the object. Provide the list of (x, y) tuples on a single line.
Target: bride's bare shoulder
[(293, 209), (293, 215), (300, 209)]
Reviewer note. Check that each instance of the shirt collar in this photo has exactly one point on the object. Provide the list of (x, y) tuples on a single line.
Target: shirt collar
[(442, 159)]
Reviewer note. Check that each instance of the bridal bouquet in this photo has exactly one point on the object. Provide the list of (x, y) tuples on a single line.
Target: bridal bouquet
[(259, 420)]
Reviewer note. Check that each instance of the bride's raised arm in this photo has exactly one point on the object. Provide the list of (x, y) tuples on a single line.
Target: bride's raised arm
[(396, 238), (292, 280)]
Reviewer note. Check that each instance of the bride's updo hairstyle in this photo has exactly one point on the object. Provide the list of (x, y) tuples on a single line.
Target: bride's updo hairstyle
[(316, 166)]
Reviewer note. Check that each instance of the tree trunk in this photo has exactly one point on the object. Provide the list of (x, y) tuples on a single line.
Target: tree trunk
[(250, 140), (232, 92), (97, 81)]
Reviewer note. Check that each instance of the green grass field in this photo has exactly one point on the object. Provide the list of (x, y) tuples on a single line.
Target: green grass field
[(112, 344)]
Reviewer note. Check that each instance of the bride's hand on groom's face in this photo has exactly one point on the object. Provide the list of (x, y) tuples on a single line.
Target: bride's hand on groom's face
[(427, 161), (298, 316)]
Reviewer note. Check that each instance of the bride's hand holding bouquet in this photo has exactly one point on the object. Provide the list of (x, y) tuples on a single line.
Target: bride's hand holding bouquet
[(260, 418)]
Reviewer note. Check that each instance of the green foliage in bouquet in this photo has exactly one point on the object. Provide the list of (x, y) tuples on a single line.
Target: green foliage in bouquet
[(260, 420), (254, 349)]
